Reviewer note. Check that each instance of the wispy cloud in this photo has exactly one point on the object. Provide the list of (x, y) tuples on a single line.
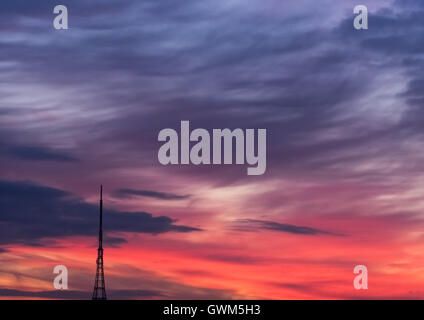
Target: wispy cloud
[(260, 225), (123, 193)]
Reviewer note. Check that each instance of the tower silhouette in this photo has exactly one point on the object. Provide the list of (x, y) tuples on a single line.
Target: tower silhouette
[(99, 292)]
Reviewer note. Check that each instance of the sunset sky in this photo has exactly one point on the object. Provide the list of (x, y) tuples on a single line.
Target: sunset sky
[(344, 113)]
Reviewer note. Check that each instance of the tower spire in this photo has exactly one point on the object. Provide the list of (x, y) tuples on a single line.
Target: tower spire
[(101, 218), (99, 292)]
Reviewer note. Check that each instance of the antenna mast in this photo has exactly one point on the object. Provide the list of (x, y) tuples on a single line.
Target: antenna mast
[(99, 292)]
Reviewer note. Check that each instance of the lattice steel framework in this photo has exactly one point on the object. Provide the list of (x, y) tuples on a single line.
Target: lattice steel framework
[(99, 292)]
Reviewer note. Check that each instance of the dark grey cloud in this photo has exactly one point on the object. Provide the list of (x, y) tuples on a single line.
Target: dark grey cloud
[(123, 193), (31, 213), (113, 241), (35, 153), (80, 295), (260, 225)]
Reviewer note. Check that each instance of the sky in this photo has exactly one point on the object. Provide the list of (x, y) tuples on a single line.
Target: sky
[(344, 116)]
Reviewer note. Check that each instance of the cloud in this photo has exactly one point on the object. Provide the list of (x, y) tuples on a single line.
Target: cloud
[(326, 290), (32, 212), (125, 282), (260, 225), (195, 61), (35, 153), (80, 295), (172, 290), (123, 193), (343, 109)]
